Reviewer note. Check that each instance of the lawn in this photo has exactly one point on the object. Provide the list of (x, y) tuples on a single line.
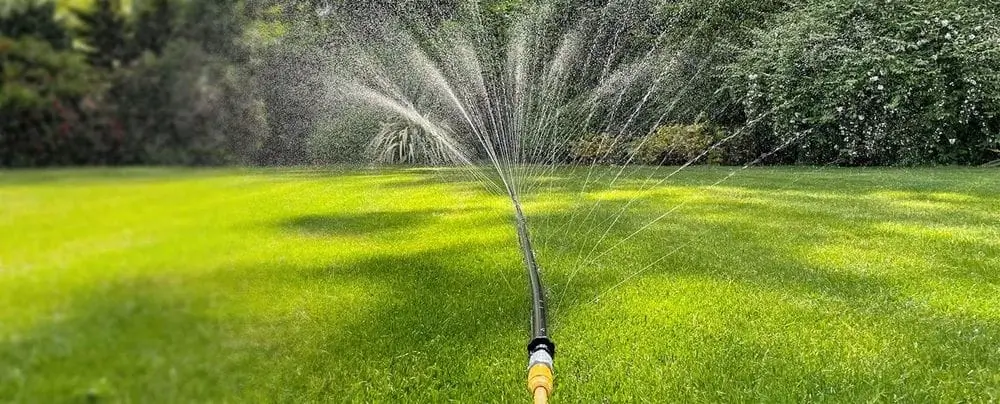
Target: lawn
[(776, 285)]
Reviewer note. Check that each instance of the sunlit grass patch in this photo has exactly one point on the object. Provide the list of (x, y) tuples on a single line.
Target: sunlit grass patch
[(356, 285)]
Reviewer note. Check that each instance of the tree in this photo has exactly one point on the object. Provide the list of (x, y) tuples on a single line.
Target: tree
[(35, 19), (154, 26), (106, 34), (187, 107), (42, 102)]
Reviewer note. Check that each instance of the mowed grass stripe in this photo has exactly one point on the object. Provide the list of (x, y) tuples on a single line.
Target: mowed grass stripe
[(787, 284)]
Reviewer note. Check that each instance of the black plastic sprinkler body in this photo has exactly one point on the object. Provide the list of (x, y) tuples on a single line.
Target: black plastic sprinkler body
[(541, 349)]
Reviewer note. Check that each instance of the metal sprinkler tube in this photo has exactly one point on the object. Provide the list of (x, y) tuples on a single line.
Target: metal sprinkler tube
[(541, 349)]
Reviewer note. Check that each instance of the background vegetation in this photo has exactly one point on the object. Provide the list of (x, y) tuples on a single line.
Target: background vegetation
[(116, 82)]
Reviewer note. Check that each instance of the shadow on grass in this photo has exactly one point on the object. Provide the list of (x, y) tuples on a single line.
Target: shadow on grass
[(152, 335), (367, 223), (427, 327)]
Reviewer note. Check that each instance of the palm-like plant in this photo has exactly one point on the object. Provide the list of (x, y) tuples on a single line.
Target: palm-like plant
[(994, 163), (402, 142)]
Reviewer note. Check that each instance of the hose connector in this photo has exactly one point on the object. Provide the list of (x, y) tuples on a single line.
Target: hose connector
[(541, 380)]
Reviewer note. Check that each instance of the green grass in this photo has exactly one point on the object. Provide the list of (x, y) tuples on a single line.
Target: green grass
[(334, 285)]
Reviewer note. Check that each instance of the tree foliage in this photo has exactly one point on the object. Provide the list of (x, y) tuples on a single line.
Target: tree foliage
[(132, 89), (35, 20), (155, 26), (234, 81), (105, 34), (876, 83), (44, 101)]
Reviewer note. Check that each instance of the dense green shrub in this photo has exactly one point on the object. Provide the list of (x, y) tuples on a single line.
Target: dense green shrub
[(344, 138), (679, 144), (188, 107), (706, 36), (674, 144), (35, 74), (881, 82), (48, 104), (294, 96), (129, 92), (601, 148)]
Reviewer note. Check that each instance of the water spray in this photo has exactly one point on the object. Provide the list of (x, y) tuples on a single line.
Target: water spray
[(541, 349)]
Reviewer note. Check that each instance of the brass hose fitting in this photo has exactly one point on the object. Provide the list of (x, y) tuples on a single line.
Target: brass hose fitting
[(540, 382), (540, 377)]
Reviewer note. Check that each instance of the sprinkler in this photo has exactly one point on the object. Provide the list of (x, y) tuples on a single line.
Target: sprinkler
[(541, 350)]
